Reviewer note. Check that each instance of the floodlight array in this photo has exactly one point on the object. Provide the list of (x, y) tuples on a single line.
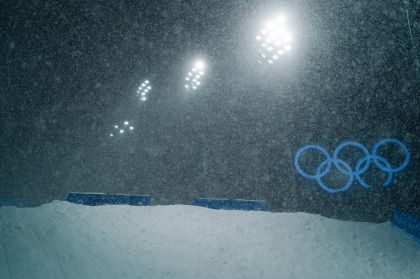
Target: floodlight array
[(144, 90), (122, 129), (274, 40), (193, 78)]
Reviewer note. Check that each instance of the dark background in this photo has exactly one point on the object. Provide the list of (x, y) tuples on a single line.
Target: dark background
[(70, 70)]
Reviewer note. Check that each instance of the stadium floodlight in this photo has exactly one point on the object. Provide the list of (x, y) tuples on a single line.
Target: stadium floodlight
[(193, 77), (274, 40), (124, 127), (144, 90)]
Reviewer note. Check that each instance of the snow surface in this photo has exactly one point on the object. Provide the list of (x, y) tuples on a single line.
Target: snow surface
[(63, 240)]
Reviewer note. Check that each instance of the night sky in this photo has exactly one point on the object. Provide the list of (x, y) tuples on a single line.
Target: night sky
[(70, 71)]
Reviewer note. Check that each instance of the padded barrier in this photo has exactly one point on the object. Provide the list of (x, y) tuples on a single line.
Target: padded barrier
[(259, 205), (102, 199), (407, 222)]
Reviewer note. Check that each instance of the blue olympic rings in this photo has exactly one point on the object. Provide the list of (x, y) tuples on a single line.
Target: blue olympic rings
[(361, 167)]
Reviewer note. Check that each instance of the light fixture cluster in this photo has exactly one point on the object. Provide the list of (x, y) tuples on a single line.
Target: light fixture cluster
[(144, 90), (274, 40), (193, 78), (122, 129)]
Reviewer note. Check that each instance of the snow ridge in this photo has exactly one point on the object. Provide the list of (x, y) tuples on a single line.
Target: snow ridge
[(64, 240)]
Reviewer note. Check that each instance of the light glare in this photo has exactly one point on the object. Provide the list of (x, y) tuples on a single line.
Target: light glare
[(199, 65), (194, 75), (274, 40), (143, 90)]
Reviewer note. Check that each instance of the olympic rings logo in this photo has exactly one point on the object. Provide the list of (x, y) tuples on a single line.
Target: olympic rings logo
[(361, 167)]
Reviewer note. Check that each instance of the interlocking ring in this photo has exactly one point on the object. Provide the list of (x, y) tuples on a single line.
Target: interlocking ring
[(361, 167)]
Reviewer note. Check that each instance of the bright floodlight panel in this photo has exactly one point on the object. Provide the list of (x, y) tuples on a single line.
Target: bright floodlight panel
[(193, 77), (144, 90), (274, 40)]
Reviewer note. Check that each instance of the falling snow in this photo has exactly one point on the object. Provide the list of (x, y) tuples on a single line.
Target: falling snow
[(187, 99)]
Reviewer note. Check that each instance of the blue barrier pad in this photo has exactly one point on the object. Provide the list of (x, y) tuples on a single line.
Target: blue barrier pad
[(102, 199), (407, 222), (259, 205)]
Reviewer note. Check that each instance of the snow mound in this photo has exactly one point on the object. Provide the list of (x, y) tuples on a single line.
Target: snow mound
[(63, 240)]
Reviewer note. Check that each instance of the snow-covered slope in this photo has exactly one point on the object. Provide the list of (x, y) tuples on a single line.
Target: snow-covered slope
[(63, 240)]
